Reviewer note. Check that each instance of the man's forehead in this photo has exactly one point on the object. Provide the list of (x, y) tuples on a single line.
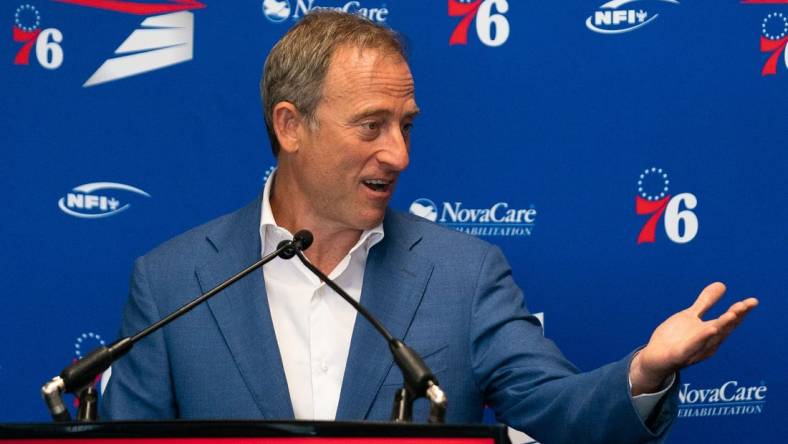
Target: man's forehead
[(351, 53), (352, 68)]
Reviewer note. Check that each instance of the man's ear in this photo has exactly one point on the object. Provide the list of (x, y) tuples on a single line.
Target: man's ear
[(287, 121)]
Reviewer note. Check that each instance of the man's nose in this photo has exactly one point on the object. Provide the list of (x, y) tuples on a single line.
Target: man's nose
[(395, 152)]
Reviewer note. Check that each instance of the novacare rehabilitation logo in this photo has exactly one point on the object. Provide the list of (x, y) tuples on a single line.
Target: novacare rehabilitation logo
[(277, 11), (729, 399), (499, 219)]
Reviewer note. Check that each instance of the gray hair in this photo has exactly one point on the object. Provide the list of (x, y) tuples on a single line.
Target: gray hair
[(296, 67)]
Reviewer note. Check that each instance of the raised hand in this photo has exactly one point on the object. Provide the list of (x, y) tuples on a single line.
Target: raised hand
[(684, 339)]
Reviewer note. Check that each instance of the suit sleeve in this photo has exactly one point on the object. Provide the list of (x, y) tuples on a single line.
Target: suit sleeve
[(140, 385), (532, 387)]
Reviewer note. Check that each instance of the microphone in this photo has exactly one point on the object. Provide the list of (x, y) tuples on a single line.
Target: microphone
[(301, 241), (80, 375), (419, 379)]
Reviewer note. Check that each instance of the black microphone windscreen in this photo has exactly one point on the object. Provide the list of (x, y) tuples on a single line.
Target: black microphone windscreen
[(304, 238)]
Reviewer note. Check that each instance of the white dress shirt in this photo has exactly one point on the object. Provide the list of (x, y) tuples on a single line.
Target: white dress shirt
[(314, 325)]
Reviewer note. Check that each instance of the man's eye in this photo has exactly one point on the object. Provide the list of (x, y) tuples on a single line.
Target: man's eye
[(371, 126), (407, 128)]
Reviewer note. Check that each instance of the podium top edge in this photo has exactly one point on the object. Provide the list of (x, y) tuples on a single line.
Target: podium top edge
[(247, 428)]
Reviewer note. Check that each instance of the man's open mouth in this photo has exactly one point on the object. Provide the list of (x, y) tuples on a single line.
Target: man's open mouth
[(379, 185)]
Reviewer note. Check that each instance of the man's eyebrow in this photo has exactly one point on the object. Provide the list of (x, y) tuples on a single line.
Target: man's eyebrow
[(367, 113), (380, 111)]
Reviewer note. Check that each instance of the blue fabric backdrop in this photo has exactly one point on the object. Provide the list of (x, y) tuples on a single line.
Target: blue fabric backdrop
[(125, 123)]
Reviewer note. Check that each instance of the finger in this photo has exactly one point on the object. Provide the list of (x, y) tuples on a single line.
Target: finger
[(741, 310), (743, 307), (751, 303), (706, 352), (725, 323), (738, 310), (702, 338), (707, 298), (724, 326), (716, 331), (732, 326)]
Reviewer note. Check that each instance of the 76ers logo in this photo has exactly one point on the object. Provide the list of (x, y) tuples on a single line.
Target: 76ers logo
[(653, 198), (492, 28), (774, 37), (27, 31), (165, 37)]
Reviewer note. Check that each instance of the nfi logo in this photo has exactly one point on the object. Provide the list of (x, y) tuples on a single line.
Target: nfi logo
[(620, 16), (92, 201), (728, 399), (277, 11), (499, 219)]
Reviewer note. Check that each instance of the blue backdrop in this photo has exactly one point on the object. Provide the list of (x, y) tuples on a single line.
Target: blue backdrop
[(639, 145)]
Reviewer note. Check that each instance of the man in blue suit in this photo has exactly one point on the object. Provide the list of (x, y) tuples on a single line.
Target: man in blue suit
[(339, 104)]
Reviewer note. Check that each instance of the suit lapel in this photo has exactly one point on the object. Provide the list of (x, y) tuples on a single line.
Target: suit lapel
[(394, 282), (242, 312)]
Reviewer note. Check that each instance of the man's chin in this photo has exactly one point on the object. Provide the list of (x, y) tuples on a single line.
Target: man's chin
[(371, 219)]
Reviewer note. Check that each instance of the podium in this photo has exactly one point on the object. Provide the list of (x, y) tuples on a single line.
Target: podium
[(252, 432)]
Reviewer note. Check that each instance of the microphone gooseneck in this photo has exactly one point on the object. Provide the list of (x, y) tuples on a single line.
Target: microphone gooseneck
[(419, 379), (81, 374)]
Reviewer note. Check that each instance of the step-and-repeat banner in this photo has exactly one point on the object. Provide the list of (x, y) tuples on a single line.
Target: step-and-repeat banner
[(623, 154)]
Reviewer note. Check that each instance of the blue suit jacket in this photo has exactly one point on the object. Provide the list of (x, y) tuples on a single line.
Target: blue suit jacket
[(449, 295)]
